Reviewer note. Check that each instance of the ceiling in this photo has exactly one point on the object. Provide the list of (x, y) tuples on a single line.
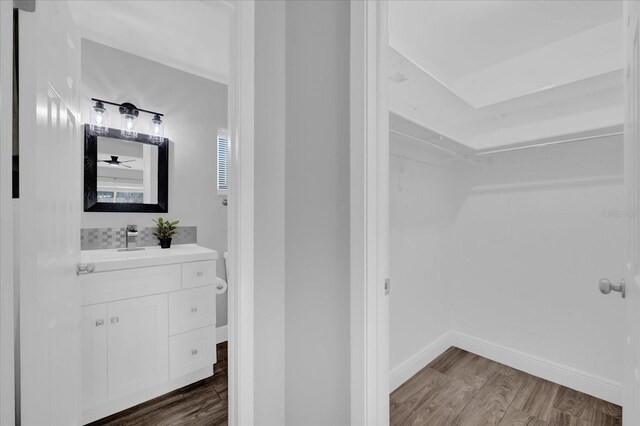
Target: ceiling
[(494, 73), (131, 153), (190, 35)]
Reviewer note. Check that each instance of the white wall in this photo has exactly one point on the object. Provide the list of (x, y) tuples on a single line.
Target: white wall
[(302, 213), (195, 108), (317, 273), (269, 255), (422, 214), (531, 242), (520, 243)]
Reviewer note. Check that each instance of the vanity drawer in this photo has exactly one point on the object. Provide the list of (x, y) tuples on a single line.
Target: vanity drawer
[(191, 309), (192, 351), (196, 274), (101, 287)]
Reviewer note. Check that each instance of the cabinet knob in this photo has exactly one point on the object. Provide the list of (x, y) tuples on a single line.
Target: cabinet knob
[(99, 322), (194, 351), (200, 273), (115, 320), (194, 309)]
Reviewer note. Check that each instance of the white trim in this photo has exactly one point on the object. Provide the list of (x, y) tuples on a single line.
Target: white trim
[(580, 380), (241, 222), (418, 361), (358, 228), (222, 333), (381, 35), (369, 157), (7, 335)]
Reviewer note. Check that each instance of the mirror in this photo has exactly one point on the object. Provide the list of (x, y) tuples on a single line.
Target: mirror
[(125, 175), (127, 172)]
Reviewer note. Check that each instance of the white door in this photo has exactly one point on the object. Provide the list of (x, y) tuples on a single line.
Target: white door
[(94, 355), (49, 222), (138, 344), (7, 393), (631, 403)]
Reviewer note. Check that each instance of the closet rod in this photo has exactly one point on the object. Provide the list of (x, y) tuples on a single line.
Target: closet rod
[(538, 145), (404, 157), (454, 153)]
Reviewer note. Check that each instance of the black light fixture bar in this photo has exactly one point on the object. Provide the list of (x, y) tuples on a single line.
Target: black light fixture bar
[(119, 105)]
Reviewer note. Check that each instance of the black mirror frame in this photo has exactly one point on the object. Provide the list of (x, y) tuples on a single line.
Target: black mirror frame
[(91, 203)]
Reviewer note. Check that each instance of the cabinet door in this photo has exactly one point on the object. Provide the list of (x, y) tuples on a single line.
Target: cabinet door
[(94, 355), (138, 344)]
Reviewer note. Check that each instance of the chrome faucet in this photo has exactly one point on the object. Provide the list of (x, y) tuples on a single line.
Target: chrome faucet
[(132, 234), (131, 239)]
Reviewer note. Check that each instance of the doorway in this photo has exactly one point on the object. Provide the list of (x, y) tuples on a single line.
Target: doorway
[(65, 85), (503, 171)]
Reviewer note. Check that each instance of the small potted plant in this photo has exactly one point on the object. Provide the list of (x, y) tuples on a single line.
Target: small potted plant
[(165, 230)]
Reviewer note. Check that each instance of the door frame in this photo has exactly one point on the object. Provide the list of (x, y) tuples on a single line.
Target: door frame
[(369, 179), (241, 214), (369, 213), (7, 335), (631, 391)]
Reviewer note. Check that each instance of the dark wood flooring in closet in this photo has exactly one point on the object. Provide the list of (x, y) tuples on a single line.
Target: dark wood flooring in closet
[(461, 388), (201, 403)]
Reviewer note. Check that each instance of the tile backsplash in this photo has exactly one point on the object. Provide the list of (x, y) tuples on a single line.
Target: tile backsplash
[(109, 238)]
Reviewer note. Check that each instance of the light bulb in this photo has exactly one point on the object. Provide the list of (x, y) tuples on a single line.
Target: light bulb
[(128, 118), (98, 118), (156, 128)]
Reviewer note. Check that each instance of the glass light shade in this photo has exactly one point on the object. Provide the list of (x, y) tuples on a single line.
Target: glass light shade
[(128, 125), (156, 129), (99, 118)]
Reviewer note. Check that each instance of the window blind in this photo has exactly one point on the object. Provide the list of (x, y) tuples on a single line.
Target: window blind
[(223, 160)]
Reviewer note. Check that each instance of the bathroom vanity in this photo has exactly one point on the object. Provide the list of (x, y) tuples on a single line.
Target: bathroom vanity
[(148, 324)]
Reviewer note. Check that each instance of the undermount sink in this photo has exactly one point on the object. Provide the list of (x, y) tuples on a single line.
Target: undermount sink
[(112, 259)]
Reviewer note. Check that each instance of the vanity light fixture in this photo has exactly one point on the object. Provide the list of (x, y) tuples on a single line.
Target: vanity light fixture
[(99, 118), (128, 120), (156, 128)]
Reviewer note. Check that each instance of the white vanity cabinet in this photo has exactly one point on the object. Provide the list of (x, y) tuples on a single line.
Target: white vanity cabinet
[(146, 330)]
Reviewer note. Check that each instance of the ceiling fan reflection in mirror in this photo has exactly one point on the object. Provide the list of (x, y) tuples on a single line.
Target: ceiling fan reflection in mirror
[(116, 163)]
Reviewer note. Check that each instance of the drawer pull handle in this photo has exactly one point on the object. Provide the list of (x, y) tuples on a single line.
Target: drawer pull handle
[(115, 320), (99, 322), (194, 309), (194, 352), (200, 273)]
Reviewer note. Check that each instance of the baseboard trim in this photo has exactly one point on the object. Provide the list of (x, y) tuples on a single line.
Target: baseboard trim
[(222, 334), (564, 375), (418, 361)]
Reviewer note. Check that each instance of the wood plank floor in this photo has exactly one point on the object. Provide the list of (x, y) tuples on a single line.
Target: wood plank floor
[(201, 403), (461, 388)]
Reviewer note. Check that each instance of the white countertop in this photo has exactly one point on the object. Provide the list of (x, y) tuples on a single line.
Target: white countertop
[(112, 259)]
